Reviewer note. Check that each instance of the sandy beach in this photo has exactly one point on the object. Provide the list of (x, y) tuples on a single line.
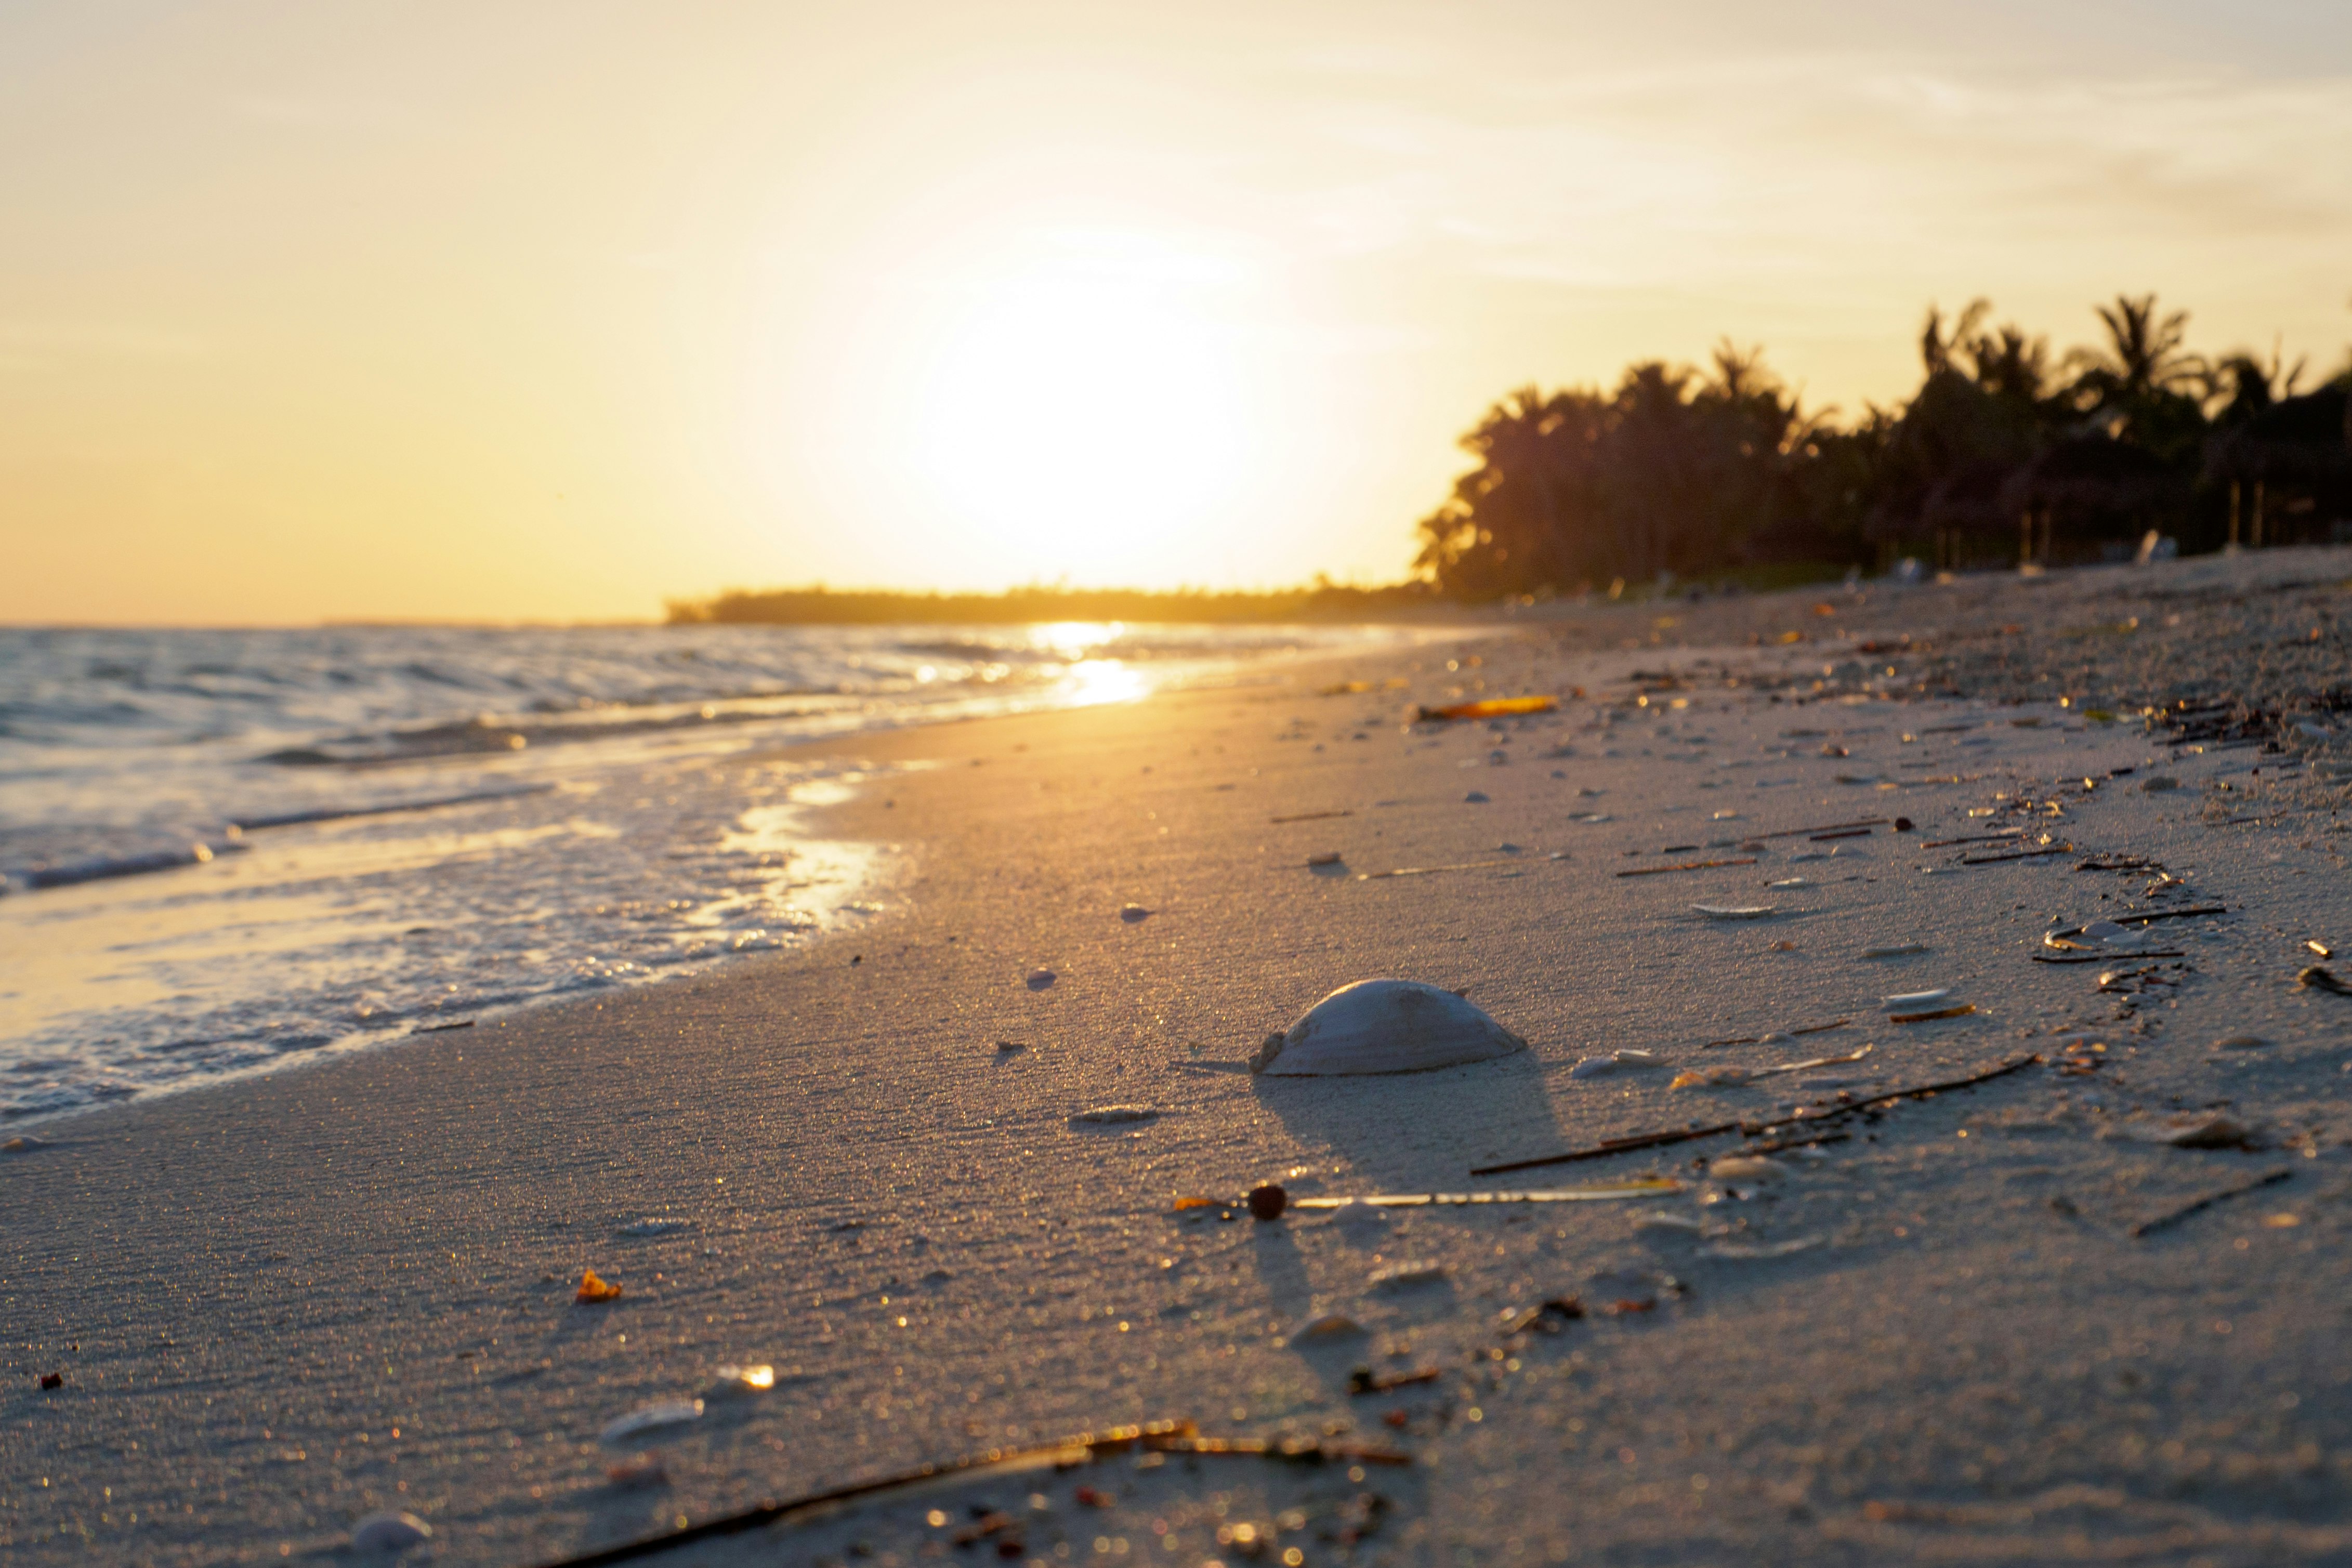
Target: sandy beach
[(1984, 1327)]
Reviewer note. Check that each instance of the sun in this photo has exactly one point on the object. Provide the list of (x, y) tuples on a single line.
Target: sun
[(1084, 418)]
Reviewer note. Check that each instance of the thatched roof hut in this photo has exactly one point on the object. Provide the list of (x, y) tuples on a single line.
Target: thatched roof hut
[(2095, 486)]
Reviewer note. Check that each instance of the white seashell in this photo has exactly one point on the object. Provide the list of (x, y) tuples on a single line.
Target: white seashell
[(1113, 1115), (741, 1382), (1915, 998), (1746, 1167), (1758, 1249), (389, 1532), (1790, 881), (1669, 1224), (1398, 1274), (1743, 912), (655, 1226), (653, 1420), (1384, 1026), (1616, 1061)]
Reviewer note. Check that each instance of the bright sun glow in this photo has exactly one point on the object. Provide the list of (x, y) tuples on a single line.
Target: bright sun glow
[(1074, 413)]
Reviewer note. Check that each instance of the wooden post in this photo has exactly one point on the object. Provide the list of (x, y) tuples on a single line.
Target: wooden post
[(2024, 537), (2234, 514)]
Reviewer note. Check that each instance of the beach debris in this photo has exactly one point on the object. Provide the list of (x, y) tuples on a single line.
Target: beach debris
[(1094, 1497), (1735, 912), (1364, 1380), (1963, 1010), (654, 1225), (1616, 1061), (741, 1382), (442, 1028), (2241, 1042), (2175, 1217), (1669, 1224), (1896, 950), (1344, 1208), (2158, 783), (1309, 817), (1491, 707), (1384, 1026), (1434, 870), (52, 1381), (1116, 1115), (650, 1421), (390, 1533), (1902, 1000), (1549, 1315), (1824, 828), (1007, 1047), (2100, 932), (1329, 1326), (1134, 913), (1746, 1167), (1638, 1140), (1040, 978), (1267, 1201), (1157, 1437), (2319, 978), (1733, 1077), (593, 1289), (1685, 865), (638, 1474), (2322, 948), (1752, 1251), (1397, 1276), (1326, 857), (1791, 881), (1475, 798), (22, 1144), (2205, 1129), (1903, 824)]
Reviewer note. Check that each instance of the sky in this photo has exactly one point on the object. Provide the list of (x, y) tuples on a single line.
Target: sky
[(556, 311)]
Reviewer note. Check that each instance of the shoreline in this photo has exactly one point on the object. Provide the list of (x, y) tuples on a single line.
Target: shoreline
[(907, 1223)]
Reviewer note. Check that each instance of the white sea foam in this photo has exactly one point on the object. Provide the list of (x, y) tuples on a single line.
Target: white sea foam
[(227, 851)]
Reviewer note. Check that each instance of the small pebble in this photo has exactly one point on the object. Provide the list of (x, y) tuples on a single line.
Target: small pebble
[(1134, 913), (1040, 978)]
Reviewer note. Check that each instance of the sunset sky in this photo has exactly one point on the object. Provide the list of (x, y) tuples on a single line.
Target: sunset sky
[(548, 311)]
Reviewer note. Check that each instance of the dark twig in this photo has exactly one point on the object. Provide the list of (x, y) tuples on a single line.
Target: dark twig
[(1117, 1440), (2164, 1221), (1824, 828), (1687, 865), (1754, 1129)]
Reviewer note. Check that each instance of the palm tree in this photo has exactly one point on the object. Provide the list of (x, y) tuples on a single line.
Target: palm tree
[(2142, 357)]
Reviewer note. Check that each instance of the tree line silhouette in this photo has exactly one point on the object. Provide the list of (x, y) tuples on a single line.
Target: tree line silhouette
[(2005, 454)]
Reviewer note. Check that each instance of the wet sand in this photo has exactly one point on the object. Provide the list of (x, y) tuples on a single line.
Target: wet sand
[(283, 1305)]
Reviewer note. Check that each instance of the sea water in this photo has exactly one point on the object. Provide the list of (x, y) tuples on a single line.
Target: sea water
[(225, 851)]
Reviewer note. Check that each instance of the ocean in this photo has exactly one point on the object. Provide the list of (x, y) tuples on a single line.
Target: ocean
[(227, 851)]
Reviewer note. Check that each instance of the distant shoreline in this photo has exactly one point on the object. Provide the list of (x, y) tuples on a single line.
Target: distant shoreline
[(1018, 606)]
